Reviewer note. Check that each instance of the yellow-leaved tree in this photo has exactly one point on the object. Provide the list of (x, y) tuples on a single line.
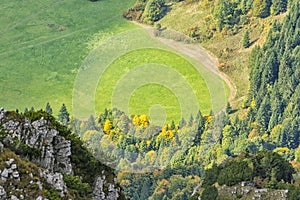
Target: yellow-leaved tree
[(136, 120), (142, 120), (107, 126)]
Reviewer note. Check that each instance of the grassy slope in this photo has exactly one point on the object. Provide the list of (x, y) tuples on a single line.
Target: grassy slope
[(43, 43), (150, 94), (25, 168), (228, 48)]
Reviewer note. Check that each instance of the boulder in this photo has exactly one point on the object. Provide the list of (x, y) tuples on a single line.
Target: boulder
[(13, 166), (1, 147), (4, 173), (16, 174), (2, 192)]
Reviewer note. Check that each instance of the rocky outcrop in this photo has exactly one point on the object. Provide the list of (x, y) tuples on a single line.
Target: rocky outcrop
[(55, 150), (247, 190), (99, 194), (10, 172), (56, 180), (51, 153)]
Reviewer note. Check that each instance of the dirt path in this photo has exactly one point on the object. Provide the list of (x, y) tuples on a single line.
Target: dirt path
[(198, 53)]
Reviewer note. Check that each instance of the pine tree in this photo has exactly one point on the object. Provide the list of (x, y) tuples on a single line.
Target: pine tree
[(64, 116), (31, 109), (278, 6), (182, 123), (25, 110), (48, 109), (246, 39), (145, 191), (172, 127), (264, 112), (261, 8), (191, 120), (228, 108)]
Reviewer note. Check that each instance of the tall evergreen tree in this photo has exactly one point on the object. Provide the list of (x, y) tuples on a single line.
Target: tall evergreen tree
[(172, 127), (264, 112), (64, 116), (191, 120), (48, 108), (246, 39), (261, 8), (182, 123), (228, 108), (277, 107), (278, 6)]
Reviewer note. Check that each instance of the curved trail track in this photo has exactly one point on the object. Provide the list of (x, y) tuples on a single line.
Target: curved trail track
[(198, 53)]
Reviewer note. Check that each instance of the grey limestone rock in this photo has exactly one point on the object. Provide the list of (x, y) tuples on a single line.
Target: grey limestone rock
[(1, 147), (13, 166), (39, 198), (56, 180), (98, 192), (98, 189), (16, 174), (55, 153), (13, 197), (4, 173), (2, 192), (55, 150)]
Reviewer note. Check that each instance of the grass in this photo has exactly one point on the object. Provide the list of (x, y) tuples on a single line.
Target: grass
[(192, 14), (43, 43), (161, 104), (52, 51), (167, 73), (125, 62)]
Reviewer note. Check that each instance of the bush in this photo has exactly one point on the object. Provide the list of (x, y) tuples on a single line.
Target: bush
[(77, 187), (210, 193), (153, 11), (235, 172)]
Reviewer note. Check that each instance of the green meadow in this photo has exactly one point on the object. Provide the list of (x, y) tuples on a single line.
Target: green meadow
[(52, 51), (164, 77), (44, 42)]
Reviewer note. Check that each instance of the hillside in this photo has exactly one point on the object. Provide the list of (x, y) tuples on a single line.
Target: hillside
[(149, 93), (221, 32), (42, 159)]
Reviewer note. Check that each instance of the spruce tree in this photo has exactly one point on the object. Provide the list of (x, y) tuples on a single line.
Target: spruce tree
[(173, 126), (191, 121), (246, 39), (278, 6), (261, 8), (48, 109), (64, 116), (228, 108), (182, 123)]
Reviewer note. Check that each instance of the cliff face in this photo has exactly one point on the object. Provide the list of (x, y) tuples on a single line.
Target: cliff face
[(38, 139)]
